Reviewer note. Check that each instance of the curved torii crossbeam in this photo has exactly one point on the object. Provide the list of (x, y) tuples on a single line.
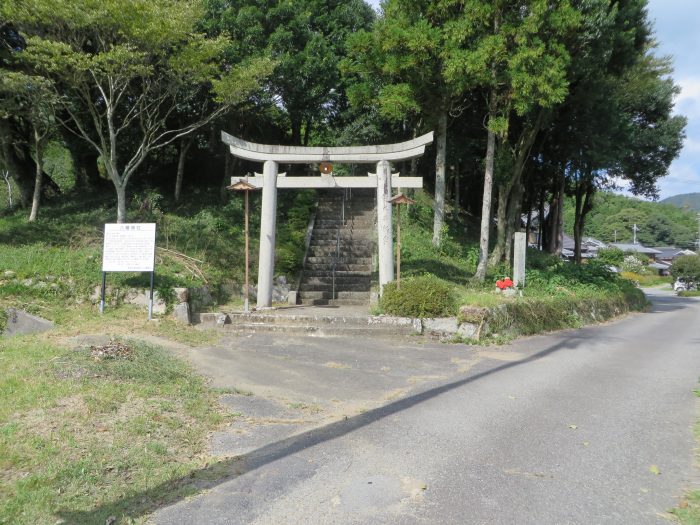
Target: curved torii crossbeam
[(271, 179), (306, 155)]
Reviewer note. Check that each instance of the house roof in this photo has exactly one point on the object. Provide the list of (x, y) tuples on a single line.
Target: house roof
[(638, 248), (671, 252)]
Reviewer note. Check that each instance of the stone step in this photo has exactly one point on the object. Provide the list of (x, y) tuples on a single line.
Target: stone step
[(339, 280), (328, 295), (328, 288), (344, 230), (344, 253), (339, 274), (305, 324), (336, 302), (343, 248), (334, 222), (317, 267)]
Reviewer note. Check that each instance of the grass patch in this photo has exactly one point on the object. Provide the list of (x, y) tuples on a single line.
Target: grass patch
[(689, 293), (78, 433)]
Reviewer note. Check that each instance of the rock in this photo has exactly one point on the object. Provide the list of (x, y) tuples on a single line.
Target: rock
[(280, 290), (181, 313), (41, 285), (21, 322), (50, 278), (181, 295), (468, 331), (28, 282), (9, 274), (142, 298), (441, 326), (473, 314), (200, 298)]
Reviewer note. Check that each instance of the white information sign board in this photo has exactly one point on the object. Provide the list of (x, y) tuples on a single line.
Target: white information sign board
[(129, 247)]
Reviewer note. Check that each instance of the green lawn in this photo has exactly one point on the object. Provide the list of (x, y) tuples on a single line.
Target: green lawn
[(79, 433)]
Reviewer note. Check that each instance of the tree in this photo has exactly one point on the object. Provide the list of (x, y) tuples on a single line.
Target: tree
[(687, 267), (32, 98), (399, 69), (616, 124), (120, 68), (306, 38), (514, 52)]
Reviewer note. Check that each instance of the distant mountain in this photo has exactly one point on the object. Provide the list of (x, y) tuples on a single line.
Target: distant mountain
[(685, 200)]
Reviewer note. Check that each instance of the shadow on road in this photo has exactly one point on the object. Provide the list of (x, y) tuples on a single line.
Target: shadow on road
[(145, 502), (667, 302)]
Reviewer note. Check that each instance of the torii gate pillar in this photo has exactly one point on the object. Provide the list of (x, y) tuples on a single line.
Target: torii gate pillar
[(268, 227), (385, 249)]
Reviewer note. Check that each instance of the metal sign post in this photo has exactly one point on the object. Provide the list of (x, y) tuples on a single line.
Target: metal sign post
[(129, 248)]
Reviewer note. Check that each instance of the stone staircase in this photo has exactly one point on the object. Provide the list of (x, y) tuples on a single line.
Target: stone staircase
[(338, 266)]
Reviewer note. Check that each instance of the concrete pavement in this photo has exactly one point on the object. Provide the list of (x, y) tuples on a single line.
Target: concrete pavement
[(565, 428)]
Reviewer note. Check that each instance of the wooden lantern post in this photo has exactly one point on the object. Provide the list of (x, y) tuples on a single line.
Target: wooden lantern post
[(397, 201), (246, 187)]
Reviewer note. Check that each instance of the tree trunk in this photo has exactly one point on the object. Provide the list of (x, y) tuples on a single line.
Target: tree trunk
[(39, 176), (18, 168), (498, 250), (486, 207), (457, 202), (230, 165), (513, 218), (555, 219), (121, 203), (185, 144), (441, 143)]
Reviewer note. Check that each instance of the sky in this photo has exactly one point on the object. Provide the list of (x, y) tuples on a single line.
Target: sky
[(675, 24)]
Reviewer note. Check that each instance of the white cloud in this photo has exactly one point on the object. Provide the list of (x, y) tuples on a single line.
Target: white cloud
[(688, 101), (683, 178)]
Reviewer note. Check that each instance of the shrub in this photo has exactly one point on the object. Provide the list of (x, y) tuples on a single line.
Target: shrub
[(632, 263), (687, 267), (423, 296), (611, 256)]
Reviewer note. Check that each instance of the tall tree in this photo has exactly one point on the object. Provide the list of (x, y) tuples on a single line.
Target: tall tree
[(119, 68), (306, 38), (30, 98), (514, 52), (398, 67)]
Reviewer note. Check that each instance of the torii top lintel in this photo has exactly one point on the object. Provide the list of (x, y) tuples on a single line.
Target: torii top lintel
[(306, 155)]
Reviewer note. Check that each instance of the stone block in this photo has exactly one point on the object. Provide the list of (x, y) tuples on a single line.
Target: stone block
[(292, 298), (181, 313), (468, 331), (20, 322), (181, 295), (442, 326)]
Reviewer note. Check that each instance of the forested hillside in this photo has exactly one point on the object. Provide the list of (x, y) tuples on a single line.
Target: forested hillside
[(659, 224), (531, 101), (685, 200)]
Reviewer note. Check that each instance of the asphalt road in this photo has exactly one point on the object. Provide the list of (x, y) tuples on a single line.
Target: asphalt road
[(589, 426)]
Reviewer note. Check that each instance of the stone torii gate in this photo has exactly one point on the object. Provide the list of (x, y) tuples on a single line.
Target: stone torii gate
[(271, 180)]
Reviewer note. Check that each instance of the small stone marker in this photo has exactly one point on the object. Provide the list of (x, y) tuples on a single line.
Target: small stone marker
[(520, 244)]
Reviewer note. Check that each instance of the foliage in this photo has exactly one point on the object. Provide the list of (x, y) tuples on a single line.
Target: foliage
[(422, 296), (687, 267), (118, 78), (659, 224), (612, 256), (632, 263), (684, 201), (542, 314)]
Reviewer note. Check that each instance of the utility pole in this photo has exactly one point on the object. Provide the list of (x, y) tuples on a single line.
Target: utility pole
[(634, 230)]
